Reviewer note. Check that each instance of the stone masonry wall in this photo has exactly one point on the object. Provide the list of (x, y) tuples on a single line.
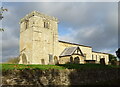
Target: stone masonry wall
[(59, 77)]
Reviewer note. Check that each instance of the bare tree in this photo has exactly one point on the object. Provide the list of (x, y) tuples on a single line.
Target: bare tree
[(1, 15)]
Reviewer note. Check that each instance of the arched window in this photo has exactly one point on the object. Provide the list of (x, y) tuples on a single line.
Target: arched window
[(46, 24), (96, 57), (92, 57), (26, 24)]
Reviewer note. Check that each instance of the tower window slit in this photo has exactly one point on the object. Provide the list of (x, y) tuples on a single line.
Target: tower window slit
[(46, 25)]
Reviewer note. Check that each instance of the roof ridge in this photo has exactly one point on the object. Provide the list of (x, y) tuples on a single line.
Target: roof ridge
[(73, 43), (100, 52)]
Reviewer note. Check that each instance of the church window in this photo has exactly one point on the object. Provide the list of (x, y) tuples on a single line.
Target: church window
[(92, 56), (26, 24), (46, 25), (50, 57), (96, 57)]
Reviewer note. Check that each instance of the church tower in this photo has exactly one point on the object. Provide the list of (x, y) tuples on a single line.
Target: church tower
[(38, 39)]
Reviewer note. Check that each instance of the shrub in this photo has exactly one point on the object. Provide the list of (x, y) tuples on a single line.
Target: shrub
[(14, 60)]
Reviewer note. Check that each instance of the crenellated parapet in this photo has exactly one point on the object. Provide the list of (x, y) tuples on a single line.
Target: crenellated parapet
[(36, 13)]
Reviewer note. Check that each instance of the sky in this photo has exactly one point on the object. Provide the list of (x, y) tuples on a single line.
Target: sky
[(88, 23)]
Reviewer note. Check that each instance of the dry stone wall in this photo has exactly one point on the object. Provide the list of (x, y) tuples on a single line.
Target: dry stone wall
[(53, 77)]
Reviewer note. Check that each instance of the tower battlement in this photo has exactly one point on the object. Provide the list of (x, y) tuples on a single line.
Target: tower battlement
[(36, 13)]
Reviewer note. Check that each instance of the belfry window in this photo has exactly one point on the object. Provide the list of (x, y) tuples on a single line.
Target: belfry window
[(46, 25), (26, 24)]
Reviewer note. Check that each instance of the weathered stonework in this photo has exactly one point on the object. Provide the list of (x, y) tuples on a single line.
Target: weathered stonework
[(66, 77), (39, 42)]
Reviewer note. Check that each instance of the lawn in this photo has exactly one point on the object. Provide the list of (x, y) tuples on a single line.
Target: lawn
[(35, 66), (61, 66)]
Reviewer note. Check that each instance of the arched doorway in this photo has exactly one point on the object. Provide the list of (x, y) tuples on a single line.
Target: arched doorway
[(102, 61), (24, 59), (76, 60), (56, 60), (71, 60)]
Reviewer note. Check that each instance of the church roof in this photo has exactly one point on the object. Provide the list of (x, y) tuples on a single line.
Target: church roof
[(69, 51), (100, 52), (74, 43)]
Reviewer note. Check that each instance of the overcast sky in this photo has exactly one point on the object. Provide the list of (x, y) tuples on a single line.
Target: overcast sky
[(89, 23)]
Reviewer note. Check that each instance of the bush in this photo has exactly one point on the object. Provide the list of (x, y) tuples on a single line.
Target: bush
[(14, 60)]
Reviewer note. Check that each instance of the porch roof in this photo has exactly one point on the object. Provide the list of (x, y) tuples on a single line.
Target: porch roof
[(70, 51)]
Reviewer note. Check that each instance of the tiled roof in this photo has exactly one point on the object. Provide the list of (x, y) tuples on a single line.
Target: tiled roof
[(69, 51), (74, 43), (100, 52)]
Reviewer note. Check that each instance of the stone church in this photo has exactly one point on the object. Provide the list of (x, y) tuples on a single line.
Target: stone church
[(39, 44)]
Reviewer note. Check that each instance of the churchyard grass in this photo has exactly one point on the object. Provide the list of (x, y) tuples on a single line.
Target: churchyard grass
[(22, 66), (61, 66)]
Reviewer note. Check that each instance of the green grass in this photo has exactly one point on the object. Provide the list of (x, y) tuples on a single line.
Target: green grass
[(22, 66), (61, 66), (88, 66)]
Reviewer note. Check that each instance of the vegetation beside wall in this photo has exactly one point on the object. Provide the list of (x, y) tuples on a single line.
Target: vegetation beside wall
[(22, 66), (60, 66), (14, 60), (112, 59), (55, 77)]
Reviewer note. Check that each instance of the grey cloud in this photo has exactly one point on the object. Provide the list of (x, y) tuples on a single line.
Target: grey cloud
[(104, 37)]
